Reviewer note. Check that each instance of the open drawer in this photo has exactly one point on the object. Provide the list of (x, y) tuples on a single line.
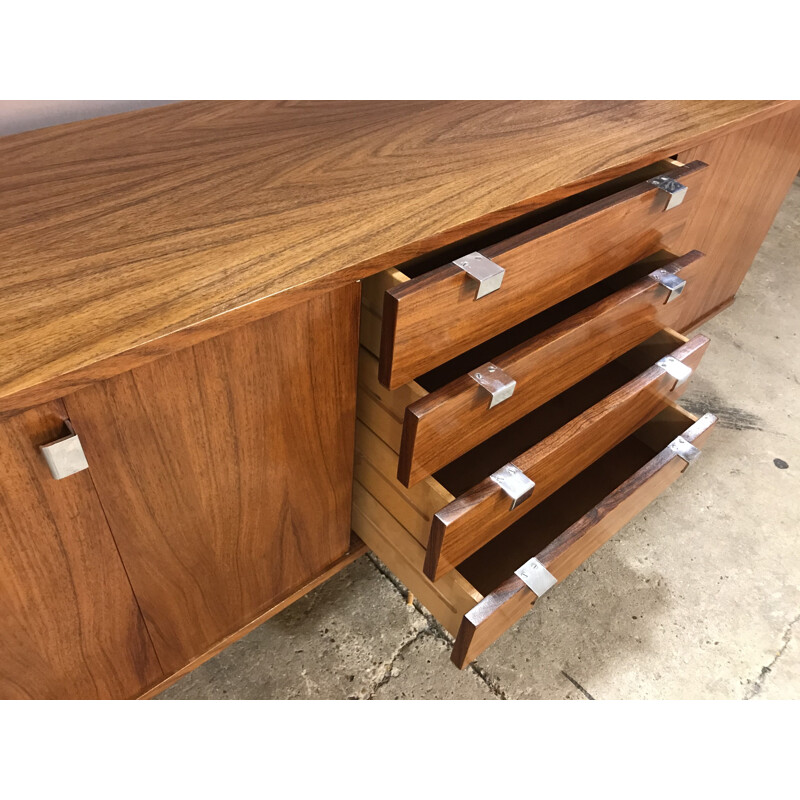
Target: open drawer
[(479, 393), (493, 588), (448, 411), (591, 424), (433, 310), (460, 507)]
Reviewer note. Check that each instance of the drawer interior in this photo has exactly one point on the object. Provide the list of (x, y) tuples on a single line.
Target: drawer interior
[(496, 561), (380, 419), (395, 521), (471, 468)]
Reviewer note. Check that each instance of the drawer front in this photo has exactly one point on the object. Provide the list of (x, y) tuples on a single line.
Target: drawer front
[(450, 421), (504, 606), (478, 515), (430, 319)]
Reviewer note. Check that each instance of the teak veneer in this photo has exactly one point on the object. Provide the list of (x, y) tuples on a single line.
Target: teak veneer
[(239, 329), (451, 420), (432, 318), (127, 237)]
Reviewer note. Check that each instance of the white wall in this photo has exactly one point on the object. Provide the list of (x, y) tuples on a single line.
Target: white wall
[(25, 115)]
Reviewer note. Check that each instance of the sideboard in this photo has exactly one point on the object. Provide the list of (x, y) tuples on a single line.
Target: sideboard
[(242, 342)]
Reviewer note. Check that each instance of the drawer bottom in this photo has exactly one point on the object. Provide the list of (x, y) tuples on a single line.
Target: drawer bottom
[(484, 596)]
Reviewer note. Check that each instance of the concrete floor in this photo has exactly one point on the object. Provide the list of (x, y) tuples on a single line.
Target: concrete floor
[(698, 597)]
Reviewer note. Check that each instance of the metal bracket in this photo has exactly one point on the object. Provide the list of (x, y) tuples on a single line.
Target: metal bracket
[(483, 270), (536, 576), (685, 450), (515, 483), (65, 456), (674, 191), (671, 282), (494, 380), (677, 369)]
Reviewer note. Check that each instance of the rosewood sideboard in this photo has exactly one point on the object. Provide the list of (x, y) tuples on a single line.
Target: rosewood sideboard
[(242, 342)]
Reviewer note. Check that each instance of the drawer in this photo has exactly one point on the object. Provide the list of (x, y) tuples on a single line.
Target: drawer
[(493, 504), (567, 343), (396, 521), (431, 315), (559, 535), (485, 596), (459, 508)]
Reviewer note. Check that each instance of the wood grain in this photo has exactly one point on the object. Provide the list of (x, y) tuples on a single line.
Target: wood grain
[(125, 238), (512, 599), (356, 549), (430, 319), (69, 624), (225, 470), (375, 465), (749, 175), (448, 599), (452, 420), (477, 516)]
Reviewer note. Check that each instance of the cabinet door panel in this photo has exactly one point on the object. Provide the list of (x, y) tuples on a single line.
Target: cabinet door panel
[(225, 469), (69, 624), (751, 170)]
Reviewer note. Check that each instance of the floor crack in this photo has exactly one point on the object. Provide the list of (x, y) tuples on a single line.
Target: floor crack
[(756, 685), (435, 628), (389, 671), (491, 684)]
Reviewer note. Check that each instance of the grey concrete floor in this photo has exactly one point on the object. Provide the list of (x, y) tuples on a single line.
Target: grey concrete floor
[(698, 597)]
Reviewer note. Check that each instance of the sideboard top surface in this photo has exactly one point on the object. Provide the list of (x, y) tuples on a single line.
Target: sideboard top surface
[(125, 237)]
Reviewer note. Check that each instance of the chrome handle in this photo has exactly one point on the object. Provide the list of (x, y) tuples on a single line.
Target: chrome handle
[(515, 483), (685, 450), (669, 188), (65, 456), (488, 275), (497, 382), (677, 369), (536, 576), (671, 282)]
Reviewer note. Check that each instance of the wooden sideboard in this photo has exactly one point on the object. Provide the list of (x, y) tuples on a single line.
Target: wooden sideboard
[(233, 333)]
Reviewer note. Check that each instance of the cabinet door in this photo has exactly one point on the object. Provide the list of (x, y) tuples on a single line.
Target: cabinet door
[(225, 469), (750, 172), (69, 624)]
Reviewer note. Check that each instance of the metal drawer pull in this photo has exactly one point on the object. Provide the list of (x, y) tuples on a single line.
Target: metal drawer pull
[(685, 450), (498, 383), (669, 281), (515, 483), (483, 270), (65, 456), (674, 191), (677, 369), (536, 576)]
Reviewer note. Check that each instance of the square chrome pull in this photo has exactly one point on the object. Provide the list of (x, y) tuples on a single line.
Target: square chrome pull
[(671, 282), (65, 456), (676, 369), (671, 189), (498, 383), (536, 576), (488, 275), (685, 450), (515, 483)]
